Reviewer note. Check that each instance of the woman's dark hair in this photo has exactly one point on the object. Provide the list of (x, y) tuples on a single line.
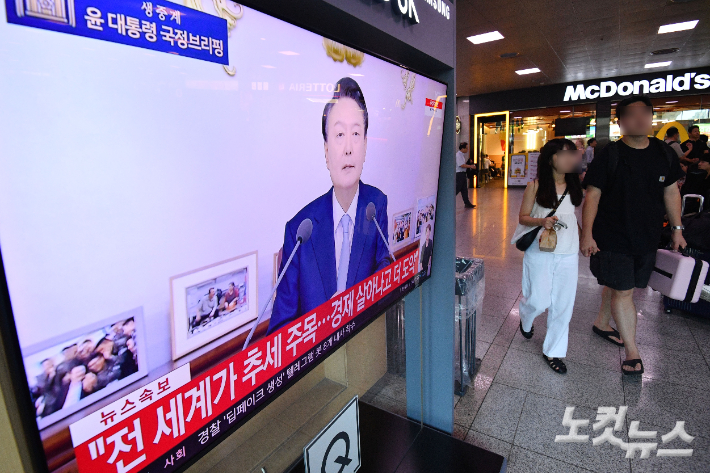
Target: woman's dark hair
[(463, 145), (345, 88), (547, 191)]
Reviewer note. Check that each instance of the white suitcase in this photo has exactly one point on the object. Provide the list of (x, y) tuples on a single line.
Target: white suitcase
[(678, 277)]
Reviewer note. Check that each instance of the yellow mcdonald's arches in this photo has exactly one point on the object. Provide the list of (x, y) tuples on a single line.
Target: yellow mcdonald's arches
[(681, 129)]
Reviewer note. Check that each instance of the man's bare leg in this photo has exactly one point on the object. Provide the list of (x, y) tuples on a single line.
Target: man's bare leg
[(623, 310), (605, 314)]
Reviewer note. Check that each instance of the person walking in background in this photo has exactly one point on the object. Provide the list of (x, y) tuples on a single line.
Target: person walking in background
[(696, 147), (461, 167), (673, 140), (630, 188), (547, 275), (486, 168), (589, 152)]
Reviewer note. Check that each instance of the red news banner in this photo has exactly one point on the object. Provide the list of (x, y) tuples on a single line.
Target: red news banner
[(168, 421)]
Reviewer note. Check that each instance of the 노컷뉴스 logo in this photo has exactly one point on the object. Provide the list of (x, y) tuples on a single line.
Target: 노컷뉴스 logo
[(609, 88), (610, 420)]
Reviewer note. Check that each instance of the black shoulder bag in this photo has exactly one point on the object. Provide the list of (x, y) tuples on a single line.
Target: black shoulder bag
[(526, 240)]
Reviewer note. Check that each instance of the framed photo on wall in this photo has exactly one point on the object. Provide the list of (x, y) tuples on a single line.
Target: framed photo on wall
[(426, 211), (402, 227), (212, 301), (76, 369)]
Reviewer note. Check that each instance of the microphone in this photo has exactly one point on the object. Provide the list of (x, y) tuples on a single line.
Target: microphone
[(302, 235), (371, 213)]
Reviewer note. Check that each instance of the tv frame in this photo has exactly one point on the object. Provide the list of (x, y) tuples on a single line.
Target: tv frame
[(9, 341)]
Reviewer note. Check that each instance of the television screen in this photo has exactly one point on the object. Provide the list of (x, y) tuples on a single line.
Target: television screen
[(571, 126), (197, 206)]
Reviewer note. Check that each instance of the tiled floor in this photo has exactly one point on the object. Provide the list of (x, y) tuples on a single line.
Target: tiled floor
[(518, 402)]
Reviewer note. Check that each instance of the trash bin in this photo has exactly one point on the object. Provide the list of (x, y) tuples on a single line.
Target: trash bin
[(470, 288)]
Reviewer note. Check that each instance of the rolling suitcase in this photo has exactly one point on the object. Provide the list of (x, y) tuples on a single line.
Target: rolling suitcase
[(678, 276)]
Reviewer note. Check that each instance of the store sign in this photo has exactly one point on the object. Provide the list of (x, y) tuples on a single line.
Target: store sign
[(610, 88), (337, 446), (408, 10)]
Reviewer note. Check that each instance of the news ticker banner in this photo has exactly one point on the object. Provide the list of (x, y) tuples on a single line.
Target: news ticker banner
[(162, 425), (160, 26)]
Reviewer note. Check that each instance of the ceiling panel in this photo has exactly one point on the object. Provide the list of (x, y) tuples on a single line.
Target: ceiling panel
[(573, 40)]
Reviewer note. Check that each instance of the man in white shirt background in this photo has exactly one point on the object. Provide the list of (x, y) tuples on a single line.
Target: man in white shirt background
[(461, 167), (589, 151), (673, 139)]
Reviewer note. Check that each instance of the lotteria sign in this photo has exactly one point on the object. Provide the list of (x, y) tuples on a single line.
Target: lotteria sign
[(688, 81)]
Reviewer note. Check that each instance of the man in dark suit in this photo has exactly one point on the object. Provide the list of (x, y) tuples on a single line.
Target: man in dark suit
[(344, 247), (427, 250)]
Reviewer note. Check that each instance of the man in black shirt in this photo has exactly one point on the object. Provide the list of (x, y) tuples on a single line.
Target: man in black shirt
[(697, 147), (630, 188)]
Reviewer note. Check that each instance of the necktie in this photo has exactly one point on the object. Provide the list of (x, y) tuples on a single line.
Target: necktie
[(344, 253)]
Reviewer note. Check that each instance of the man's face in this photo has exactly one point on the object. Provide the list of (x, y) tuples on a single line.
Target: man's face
[(85, 349), (636, 120), (428, 233), (70, 353), (465, 150), (96, 364), (129, 327), (231, 288), (695, 134), (346, 146), (211, 293), (48, 367), (593, 144)]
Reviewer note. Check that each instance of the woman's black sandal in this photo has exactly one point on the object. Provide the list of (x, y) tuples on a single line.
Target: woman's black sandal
[(606, 335), (529, 334), (557, 365), (632, 364)]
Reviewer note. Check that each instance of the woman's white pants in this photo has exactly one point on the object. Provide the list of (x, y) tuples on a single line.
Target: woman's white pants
[(549, 283)]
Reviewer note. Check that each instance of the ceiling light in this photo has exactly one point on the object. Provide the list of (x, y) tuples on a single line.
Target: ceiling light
[(658, 64), (672, 101), (673, 27), (565, 111), (357, 75), (659, 52), (532, 70), (517, 117), (289, 53), (486, 37)]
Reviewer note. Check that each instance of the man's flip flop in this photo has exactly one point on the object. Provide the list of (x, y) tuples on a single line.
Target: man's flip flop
[(632, 364), (606, 335)]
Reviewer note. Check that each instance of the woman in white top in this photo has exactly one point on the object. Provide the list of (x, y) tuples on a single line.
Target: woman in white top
[(550, 278)]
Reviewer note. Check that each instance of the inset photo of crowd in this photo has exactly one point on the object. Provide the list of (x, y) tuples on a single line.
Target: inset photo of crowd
[(77, 370)]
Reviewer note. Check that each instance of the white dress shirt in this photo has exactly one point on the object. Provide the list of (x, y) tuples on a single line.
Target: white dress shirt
[(338, 213), (460, 159)]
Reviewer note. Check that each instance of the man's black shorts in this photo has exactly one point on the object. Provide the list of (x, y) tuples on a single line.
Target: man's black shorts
[(621, 271)]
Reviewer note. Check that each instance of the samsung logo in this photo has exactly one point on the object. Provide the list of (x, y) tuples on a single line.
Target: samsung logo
[(610, 88)]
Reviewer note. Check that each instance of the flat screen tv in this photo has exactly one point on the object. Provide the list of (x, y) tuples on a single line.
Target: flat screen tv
[(197, 206), (571, 126)]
